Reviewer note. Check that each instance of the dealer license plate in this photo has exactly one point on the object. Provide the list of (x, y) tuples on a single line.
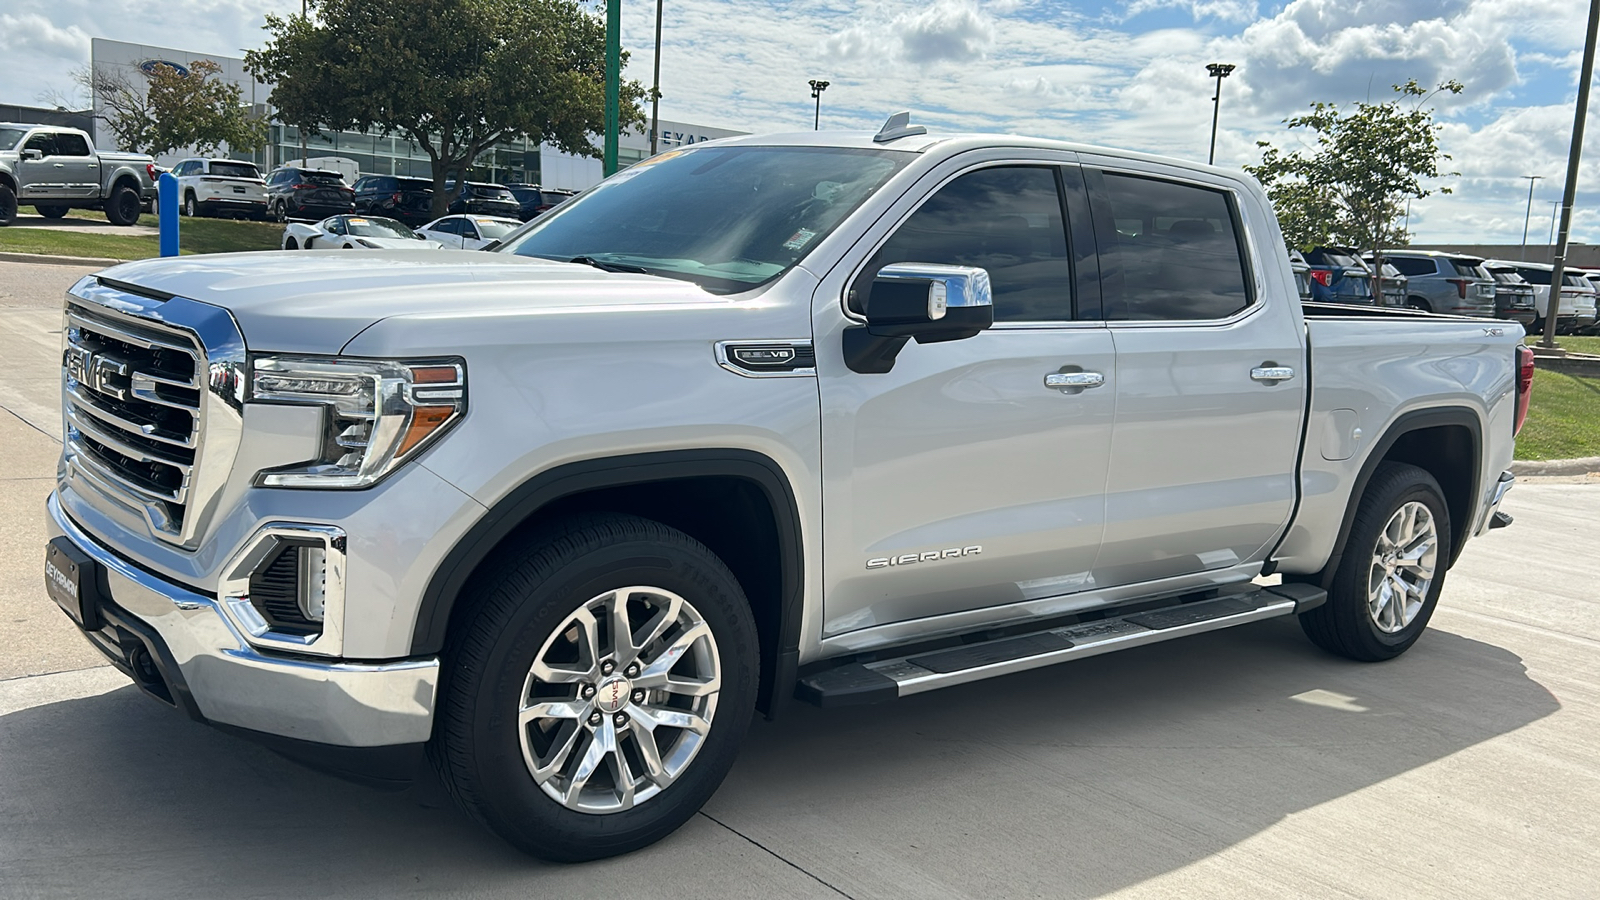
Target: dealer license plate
[(69, 578)]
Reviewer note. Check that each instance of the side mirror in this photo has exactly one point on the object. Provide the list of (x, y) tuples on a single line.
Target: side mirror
[(34, 155), (928, 302)]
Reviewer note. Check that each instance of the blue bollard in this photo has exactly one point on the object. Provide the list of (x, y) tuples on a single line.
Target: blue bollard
[(167, 210)]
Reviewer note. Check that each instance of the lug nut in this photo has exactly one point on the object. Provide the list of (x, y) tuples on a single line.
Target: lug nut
[(607, 667), (638, 696), (620, 719), (588, 692), (595, 718), (632, 671)]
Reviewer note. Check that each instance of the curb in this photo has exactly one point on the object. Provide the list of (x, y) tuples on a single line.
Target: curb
[(1581, 466), (1570, 364), (48, 260)]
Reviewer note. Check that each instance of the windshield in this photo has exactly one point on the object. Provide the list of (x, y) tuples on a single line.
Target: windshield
[(234, 170), (10, 136), (494, 228), (380, 228), (1575, 280), (725, 218), (491, 193)]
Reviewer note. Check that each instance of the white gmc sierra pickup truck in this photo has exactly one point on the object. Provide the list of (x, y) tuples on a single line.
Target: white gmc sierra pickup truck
[(832, 417)]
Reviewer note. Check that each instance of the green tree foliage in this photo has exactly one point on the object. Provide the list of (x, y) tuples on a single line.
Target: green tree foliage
[(197, 109), (1351, 186), (453, 76), (124, 104)]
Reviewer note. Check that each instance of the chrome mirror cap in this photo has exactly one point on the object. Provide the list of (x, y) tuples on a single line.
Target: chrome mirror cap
[(949, 287)]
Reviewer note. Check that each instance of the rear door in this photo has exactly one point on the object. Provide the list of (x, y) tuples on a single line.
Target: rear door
[(960, 481), (1210, 378), (42, 178), (79, 167)]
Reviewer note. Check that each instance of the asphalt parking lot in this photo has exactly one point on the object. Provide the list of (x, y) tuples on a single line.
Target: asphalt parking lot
[(1242, 763)]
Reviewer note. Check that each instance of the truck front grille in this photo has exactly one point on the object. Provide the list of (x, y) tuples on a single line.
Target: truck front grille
[(132, 404)]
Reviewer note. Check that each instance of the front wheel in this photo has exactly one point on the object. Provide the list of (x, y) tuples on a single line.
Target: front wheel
[(598, 695), (1392, 570), (8, 205)]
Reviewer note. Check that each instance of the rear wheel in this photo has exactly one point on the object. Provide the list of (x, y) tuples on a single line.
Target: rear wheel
[(190, 207), (291, 244), (123, 206), (1419, 303), (51, 212), (1392, 570), (598, 695)]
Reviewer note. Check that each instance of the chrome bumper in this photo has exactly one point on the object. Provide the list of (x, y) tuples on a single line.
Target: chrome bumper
[(1507, 480), (228, 682)]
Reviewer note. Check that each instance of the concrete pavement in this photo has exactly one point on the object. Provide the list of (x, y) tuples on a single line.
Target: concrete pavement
[(1239, 763)]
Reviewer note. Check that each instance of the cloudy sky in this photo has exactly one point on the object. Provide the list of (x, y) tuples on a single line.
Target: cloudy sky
[(1123, 73)]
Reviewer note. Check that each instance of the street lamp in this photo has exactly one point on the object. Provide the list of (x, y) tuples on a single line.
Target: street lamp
[(817, 87), (1218, 71), (1527, 214), (655, 87)]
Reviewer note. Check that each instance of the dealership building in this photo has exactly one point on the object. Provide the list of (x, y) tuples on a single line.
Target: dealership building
[(517, 161)]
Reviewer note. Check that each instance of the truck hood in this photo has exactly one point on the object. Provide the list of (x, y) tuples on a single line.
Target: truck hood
[(318, 302)]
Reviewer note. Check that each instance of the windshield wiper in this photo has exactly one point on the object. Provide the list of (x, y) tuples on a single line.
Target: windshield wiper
[(609, 266)]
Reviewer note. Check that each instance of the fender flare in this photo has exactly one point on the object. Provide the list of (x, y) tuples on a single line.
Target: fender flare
[(1405, 424), (449, 579)]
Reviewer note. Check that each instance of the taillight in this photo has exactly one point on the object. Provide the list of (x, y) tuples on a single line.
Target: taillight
[(1323, 277), (395, 197), (301, 187), (151, 170), (1461, 286), (1524, 384)]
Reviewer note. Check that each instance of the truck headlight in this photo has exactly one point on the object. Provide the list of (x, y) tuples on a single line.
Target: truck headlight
[(380, 413)]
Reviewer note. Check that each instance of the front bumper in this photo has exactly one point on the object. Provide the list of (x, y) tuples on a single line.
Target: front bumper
[(193, 657)]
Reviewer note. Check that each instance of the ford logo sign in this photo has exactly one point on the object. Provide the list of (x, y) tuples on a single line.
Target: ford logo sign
[(148, 67)]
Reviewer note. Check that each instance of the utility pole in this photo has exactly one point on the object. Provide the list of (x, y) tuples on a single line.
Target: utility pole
[(613, 83), (817, 87), (1218, 71), (1527, 214), (655, 88), (305, 13), (1559, 260), (1550, 242)]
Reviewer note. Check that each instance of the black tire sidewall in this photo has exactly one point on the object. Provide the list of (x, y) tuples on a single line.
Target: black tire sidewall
[(1349, 595), (8, 206), (50, 211), (114, 214), (511, 803)]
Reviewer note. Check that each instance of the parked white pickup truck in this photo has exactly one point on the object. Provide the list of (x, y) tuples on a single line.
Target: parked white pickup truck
[(836, 417), (56, 169)]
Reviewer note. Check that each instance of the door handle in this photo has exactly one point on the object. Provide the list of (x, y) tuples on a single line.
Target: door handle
[(1271, 374), (61, 165), (1073, 382)]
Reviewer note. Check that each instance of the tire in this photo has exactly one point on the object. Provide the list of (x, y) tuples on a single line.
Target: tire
[(8, 205), (1357, 622), (190, 207), (275, 211), (51, 212), (291, 244), (123, 206), (534, 600), (1419, 303)]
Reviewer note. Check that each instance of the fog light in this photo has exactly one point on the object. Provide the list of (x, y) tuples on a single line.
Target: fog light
[(313, 593)]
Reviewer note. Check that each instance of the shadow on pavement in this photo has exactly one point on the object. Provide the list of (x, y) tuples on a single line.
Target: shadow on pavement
[(1071, 781)]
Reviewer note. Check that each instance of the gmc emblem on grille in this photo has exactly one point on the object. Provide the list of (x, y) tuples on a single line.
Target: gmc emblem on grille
[(95, 371)]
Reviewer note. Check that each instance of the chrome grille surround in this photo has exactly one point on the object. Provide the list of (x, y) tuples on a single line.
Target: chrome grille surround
[(152, 393)]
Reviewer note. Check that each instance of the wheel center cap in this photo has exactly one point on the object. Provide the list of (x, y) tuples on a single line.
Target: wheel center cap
[(612, 694)]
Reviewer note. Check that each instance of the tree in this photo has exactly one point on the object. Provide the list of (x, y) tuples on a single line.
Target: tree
[(196, 109), (123, 104), (453, 76), (1351, 188)]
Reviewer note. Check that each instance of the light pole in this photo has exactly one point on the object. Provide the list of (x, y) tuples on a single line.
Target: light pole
[(1550, 242), (1218, 71), (817, 87), (655, 87), (1527, 214), (613, 84), (1558, 259)]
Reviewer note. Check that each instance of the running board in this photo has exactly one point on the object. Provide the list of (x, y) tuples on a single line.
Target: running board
[(852, 684)]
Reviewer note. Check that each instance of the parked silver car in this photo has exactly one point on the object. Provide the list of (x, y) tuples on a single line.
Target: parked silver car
[(1575, 310), (1444, 282)]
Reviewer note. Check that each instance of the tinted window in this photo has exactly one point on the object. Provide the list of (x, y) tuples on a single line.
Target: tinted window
[(68, 144), (235, 170), (44, 142), (490, 192), (1535, 276), (336, 226), (1175, 252), (1410, 265), (1466, 268), (9, 137), (447, 226), (1574, 280), (1006, 220), (412, 184), (323, 178)]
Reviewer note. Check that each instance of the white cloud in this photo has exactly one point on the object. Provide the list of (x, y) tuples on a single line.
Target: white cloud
[(953, 31)]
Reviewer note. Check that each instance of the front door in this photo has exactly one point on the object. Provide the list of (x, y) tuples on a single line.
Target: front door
[(1203, 458), (958, 480)]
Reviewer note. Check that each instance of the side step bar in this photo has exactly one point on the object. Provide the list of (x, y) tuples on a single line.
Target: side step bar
[(853, 684)]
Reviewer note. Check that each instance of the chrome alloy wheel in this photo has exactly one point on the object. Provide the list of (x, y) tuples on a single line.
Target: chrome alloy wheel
[(619, 700), (1403, 565)]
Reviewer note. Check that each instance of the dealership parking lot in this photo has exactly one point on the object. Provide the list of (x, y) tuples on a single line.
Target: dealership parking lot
[(1238, 763)]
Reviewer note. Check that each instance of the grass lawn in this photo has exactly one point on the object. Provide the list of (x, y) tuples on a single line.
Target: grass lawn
[(1575, 343), (1563, 417), (197, 235)]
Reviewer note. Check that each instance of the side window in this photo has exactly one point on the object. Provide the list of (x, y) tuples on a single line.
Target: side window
[(467, 229), (1410, 266), (44, 142), (1006, 220), (1174, 252), (1535, 276), (447, 226), (336, 226), (361, 185), (71, 145)]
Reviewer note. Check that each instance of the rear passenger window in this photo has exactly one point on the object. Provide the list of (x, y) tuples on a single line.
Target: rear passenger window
[(1006, 220), (1174, 253), (68, 144), (1410, 266)]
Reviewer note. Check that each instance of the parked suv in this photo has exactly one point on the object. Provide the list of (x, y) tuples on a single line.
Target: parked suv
[(1513, 295), (225, 187), (1339, 276), (408, 200), (1575, 307), (534, 200), (483, 200), (1445, 282), (294, 193), (1302, 275)]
